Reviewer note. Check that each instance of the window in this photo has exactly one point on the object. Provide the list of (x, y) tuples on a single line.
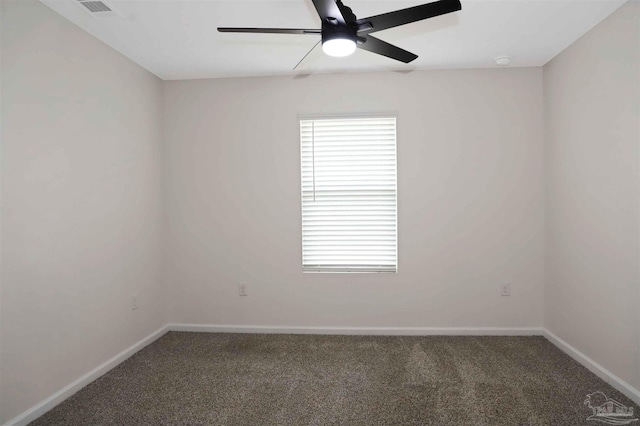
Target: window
[(349, 194)]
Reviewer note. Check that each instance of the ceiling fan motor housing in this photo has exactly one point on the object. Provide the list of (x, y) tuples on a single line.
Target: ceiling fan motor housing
[(330, 32)]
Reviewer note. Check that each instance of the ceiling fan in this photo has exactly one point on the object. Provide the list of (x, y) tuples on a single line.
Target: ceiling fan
[(342, 32)]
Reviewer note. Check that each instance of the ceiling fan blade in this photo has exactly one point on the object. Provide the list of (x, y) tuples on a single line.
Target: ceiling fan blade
[(329, 12), (406, 16), (269, 30), (375, 45)]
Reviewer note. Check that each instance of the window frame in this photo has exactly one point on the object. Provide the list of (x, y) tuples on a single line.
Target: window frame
[(348, 269)]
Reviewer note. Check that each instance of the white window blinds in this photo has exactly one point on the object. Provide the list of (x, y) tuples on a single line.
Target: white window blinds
[(349, 195)]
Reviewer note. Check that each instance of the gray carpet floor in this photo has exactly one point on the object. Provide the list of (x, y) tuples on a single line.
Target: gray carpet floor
[(253, 379)]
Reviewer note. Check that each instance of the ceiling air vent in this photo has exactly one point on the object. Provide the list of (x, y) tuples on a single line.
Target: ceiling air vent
[(97, 8)]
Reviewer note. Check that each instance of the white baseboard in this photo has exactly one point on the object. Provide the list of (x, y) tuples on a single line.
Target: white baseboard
[(64, 393), (361, 331), (606, 375)]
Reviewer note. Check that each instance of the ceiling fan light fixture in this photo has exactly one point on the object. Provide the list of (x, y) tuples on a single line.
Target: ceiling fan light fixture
[(338, 42), (339, 47)]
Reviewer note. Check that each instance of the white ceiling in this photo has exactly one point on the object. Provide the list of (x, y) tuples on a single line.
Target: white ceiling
[(177, 39)]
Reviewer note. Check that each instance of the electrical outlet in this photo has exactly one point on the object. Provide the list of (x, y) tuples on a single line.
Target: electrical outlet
[(505, 289), (134, 301), (242, 289)]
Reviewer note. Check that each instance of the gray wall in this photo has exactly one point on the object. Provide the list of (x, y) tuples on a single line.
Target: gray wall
[(592, 97), (470, 200), (81, 204)]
